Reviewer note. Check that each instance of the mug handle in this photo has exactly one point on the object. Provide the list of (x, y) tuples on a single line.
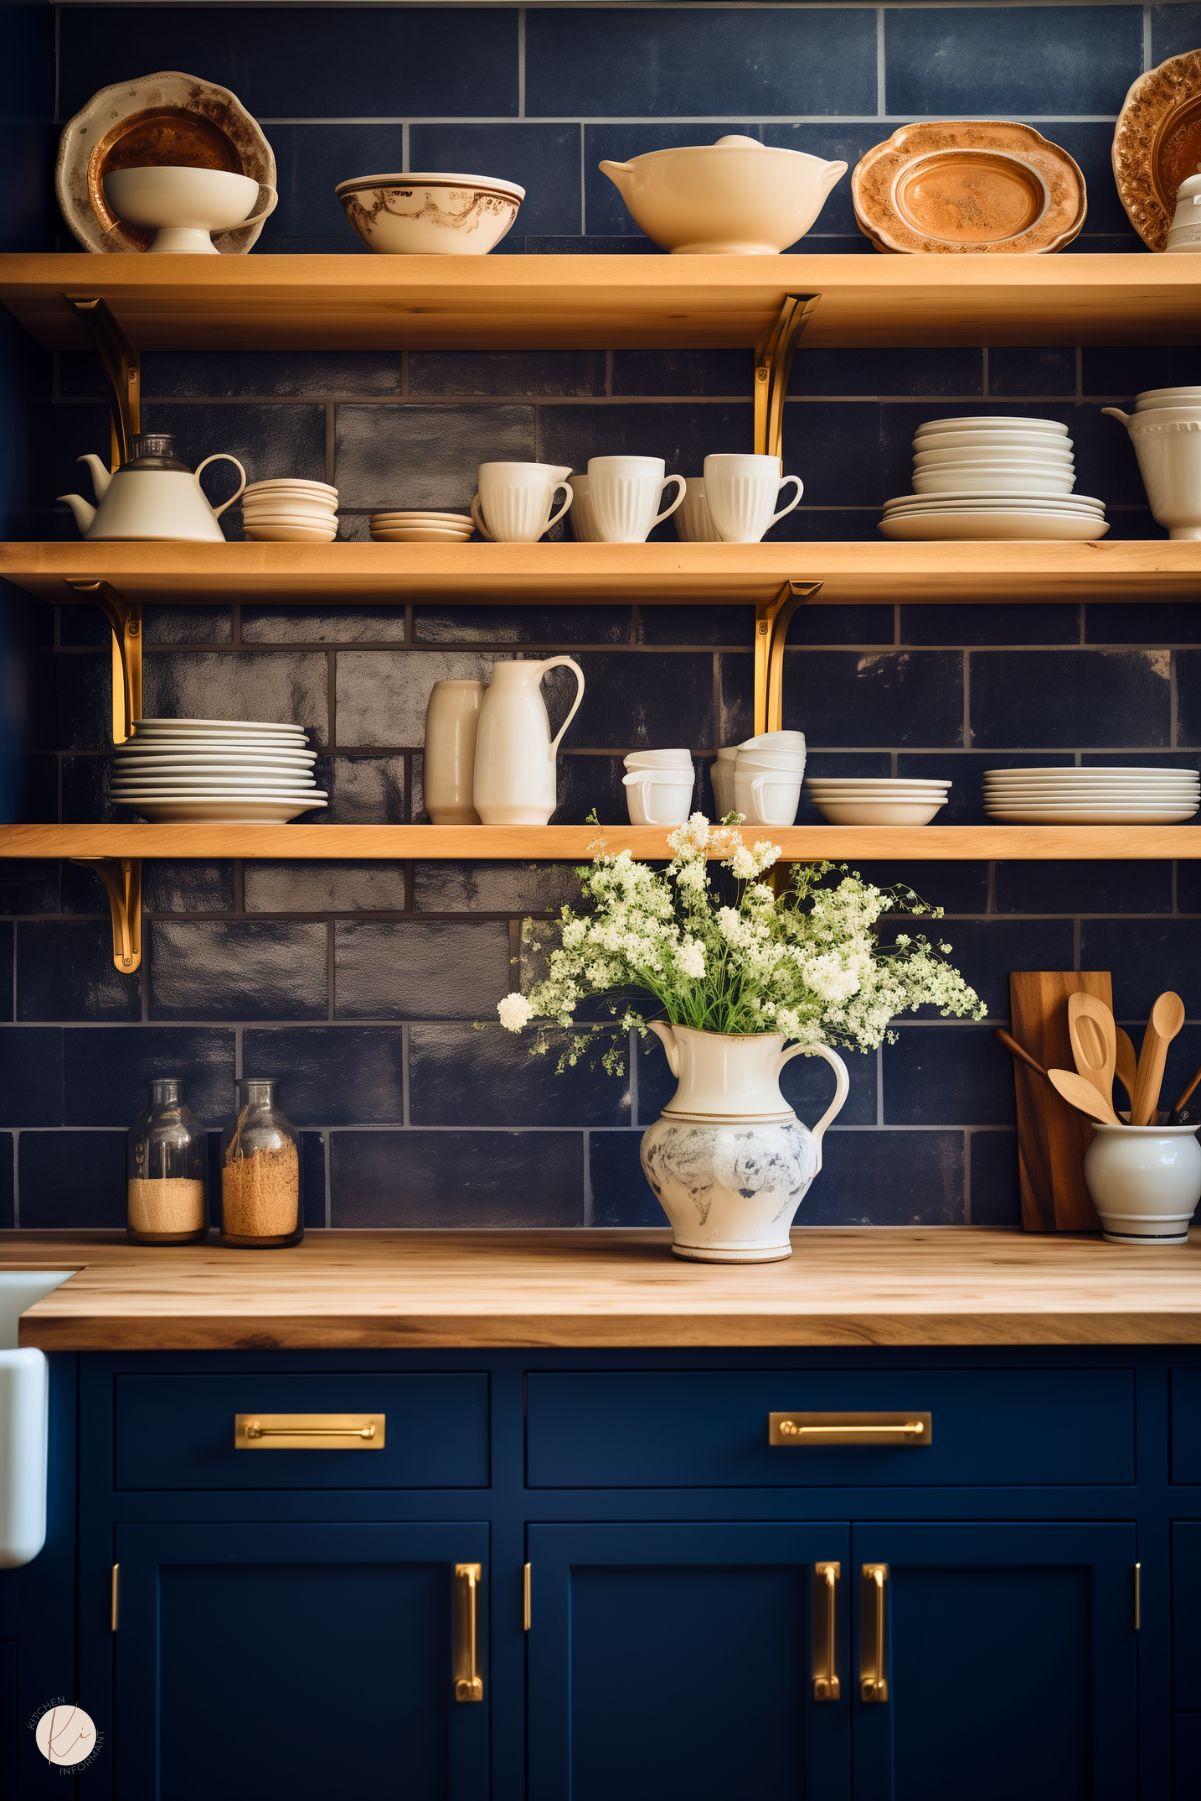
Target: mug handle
[(681, 491), (554, 520), (223, 456), (477, 519), (563, 663), (793, 504), (266, 212), (758, 784)]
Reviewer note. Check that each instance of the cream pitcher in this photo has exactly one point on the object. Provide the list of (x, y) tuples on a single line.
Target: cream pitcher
[(515, 755)]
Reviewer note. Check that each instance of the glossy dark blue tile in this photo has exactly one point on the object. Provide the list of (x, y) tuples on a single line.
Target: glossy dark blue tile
[(619, 1194), (366, 791), (464, 374), (187, 625), (71, 1179), (1188, 887), (633, 701), (188, 887), (1143, 622), (315, 625), (1112, 887), (695, 625), (237, 969), (107, 1072), (886, 698), (425, 456), (1037, 623), (995, 1196), (271, 374), (686, 374), (887, 1178), (1175, 28), (31, 1075), (332, 1075), (451, 1179), (65, 971), (288, 439), (323, 887), (681, 432), (543, 159), (1071, 699), (1023, 374), (986, 951), (594, 62), (934, 372), (552, 627), (966, 60), (590, 785), (947, 1075), (381, 695), (427, 969), (282, 686), (8, 1187), (510, 888), (1145, 959), (460, 1076)]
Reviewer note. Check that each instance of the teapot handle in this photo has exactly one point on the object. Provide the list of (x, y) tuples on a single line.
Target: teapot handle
[(842, 1087), (563, 663), (223, 456)]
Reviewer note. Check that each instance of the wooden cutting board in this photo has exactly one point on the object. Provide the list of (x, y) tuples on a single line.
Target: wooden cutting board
[(1052, 1137)]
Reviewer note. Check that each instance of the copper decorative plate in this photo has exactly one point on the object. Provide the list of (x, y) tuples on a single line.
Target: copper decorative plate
[(160, 120), (1157, 143), (956, 185)]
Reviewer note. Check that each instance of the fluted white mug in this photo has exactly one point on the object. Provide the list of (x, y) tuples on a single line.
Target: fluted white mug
[(742, 493), (513, 505), (625, 494), (694, 523)]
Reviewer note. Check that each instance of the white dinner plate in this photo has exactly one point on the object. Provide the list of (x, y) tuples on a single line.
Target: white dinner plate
[(225, 812), (210, 743), (251, 726), (963, 499), (993, 421), (144, 762), (1115, 815), (993, 527)]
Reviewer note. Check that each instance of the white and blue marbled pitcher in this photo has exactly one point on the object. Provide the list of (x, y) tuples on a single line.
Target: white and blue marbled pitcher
[(728, 1159)]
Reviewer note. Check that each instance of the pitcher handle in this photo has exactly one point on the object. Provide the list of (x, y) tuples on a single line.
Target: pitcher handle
[(223, 456), (793, 504), (564, 509), (563, 663), (842, 1087), (681, 490)]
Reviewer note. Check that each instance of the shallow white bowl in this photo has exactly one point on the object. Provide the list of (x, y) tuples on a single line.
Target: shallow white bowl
[(883, 812), (992, 481), (1011, 441), (430, 214)]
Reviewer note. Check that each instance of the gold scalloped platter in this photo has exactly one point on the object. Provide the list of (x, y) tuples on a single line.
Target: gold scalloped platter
[(958, 185), (1157, 143), (156, 121)]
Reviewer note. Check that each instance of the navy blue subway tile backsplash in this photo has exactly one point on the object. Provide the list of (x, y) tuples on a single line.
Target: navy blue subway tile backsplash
[(369, 989)]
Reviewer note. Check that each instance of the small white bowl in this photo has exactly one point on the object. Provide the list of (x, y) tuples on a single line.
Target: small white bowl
[(878, 812), (290, 533), (430, 215), (658, 759)]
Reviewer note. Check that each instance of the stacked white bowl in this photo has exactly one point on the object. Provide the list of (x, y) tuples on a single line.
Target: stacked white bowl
[(984, 476), (418, 526), (1100, 795), (290, 511), (760, 778), (878, 799), (236, 772), (659, 786)]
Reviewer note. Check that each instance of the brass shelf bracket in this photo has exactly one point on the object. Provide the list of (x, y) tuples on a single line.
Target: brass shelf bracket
[(772, 620), (125, 621), (122, 369), (122, 879), (773, 366)]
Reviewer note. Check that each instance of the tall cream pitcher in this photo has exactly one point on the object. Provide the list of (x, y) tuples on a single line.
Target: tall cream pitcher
[(515, 755)]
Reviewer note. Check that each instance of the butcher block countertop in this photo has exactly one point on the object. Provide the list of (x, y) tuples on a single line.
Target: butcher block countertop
[(443, 1290)]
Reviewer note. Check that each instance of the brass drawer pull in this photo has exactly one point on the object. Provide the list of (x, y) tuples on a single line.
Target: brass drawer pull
[(469, 1684), (826, 1684), (801, 1429), (309, 1431), (873, 1636)]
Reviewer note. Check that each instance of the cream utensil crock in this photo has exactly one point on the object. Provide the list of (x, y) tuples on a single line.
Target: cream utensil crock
[(736, 196), (448, 769), (153, 497), (1145, 1181), (515, 755)]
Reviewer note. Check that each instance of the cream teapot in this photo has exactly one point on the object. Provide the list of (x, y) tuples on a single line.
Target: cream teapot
[(736, 196), (151, 497)]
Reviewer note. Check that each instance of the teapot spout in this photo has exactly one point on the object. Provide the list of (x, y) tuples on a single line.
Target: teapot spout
[(667, 1038), (100, 473), (619, 174), (831, 175), (83, 511)]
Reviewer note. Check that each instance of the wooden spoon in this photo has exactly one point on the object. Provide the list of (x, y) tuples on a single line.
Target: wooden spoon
[(1177, 1116), (1020, 1052), (1167, 1017), (1094, 1040), (1079, 1092), (1127, 1065)]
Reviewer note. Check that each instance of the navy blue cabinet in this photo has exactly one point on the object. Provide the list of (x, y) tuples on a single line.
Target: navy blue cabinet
[(311, 1660)]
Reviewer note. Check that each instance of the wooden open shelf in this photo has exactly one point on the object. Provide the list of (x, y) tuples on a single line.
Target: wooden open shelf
[(572, 843), (366, 302), (669, 572)]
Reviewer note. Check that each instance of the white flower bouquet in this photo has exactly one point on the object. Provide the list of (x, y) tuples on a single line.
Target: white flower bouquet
[(807, 962)]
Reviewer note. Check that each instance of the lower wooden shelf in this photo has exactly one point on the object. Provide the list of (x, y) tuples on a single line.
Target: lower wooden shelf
[(573, 843)]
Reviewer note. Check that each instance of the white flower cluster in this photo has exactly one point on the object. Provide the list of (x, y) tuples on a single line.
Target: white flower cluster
[(733, 954)]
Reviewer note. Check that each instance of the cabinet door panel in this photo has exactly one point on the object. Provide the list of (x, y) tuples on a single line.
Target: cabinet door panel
[(675, 1660), (310, 1661), (1186, 1609), (1011, 1664), (1186, 1785)]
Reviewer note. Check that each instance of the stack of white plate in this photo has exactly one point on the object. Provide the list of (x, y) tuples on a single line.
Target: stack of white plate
[(290, 511), (417, 527), (238, 772), (1096, 796), (877, 799), (989, 477)]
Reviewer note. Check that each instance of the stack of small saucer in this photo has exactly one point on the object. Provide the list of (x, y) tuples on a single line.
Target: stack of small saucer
[(237, 772), (418, 527), (1096, 796), (986, 477), (290, 511), (877, 799)]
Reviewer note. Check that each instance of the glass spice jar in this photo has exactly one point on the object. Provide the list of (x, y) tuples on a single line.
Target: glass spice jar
[(260, 1173), (165, 1194)]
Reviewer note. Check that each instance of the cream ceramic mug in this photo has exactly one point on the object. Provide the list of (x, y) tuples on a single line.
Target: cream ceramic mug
[(694, 524), (624, 494), (742, 492), (513, 505), (448, 771)]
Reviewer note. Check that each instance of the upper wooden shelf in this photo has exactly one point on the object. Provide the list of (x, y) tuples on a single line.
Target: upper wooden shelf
[(572, 843), (667, 572), (365, 302)]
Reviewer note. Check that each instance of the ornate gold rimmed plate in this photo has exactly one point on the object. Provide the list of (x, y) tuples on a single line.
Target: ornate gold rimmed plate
[(959, 185), (169, 119), (1157, 143)]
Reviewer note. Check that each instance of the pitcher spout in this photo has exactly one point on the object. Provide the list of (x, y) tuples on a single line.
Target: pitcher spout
[(832, 174), (1115, 412), (667, 1038), (619, 174)]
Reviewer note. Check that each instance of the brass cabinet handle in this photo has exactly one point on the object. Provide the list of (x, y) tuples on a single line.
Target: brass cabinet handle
[(309, 1431), (826, 1683), (803, 1429), (469, 1684), (873, 1652)]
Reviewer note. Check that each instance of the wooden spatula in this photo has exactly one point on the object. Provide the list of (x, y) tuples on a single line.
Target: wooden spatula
[(1094, 1041), (1079, 1092), (1167, 1017), (1127, 1064)]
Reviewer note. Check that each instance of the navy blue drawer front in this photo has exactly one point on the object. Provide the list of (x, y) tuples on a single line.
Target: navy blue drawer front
[(178, 1431), (710, 1429), (1186, 1425)]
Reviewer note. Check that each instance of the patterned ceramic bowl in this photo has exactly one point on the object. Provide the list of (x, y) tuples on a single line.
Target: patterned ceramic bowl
[(430, 215)]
